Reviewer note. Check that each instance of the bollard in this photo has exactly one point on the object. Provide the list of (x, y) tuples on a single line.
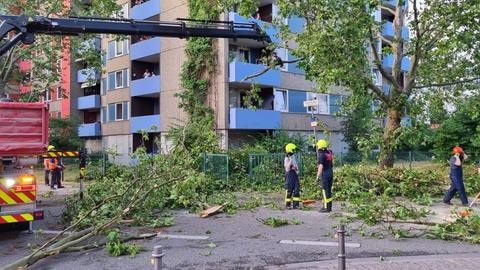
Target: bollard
[(157, 257), (341, 247)]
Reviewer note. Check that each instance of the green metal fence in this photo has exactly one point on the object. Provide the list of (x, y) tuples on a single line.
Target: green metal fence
[(216, 165), (269, 168)]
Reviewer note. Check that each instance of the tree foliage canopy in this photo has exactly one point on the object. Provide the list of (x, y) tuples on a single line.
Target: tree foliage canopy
[(340, 45), (46, 53)]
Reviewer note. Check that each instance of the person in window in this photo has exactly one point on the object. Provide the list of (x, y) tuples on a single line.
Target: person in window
[(147, 73), (456, 177)]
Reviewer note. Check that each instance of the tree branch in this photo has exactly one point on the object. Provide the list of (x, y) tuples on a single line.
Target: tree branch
[(378, 63), (387, 9), (377, 91), (448, 83), (266, 69), (412, 71)]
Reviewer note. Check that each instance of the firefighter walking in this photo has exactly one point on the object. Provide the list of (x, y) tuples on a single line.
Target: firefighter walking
[(292, 182), (325, 174), (456, 177)]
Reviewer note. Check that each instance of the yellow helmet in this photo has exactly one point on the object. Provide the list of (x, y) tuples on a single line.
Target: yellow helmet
[(290, 148), (51, 147), (322, 144)]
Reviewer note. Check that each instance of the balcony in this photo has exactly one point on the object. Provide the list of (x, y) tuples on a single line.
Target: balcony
[(89, 102), (146, 10), (239, 70), (387, 62), (88, 74), (147, 50), (267, 27), (148, 123), (89, 130), (147, 87), (387, 31), (255, 119)]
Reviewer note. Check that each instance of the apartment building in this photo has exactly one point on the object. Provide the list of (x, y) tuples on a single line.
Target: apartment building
[(136, 92)]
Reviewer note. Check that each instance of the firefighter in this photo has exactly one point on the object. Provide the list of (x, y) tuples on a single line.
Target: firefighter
[(46, 166), (456, 177), (325, 174), (292, 182), (55, 167)]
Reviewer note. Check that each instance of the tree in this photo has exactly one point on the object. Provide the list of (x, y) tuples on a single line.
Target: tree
[(63, 134), (462, 128), (46, 51), (339, 46)]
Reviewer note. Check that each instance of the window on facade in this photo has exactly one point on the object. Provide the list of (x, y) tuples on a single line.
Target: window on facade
[(118, 111), (336, 102), (103, 115), (377, 77), (59, 92), (281, 100), (243, 55), (48, 95), (117, 48), (104, 86), (118, 79), (322, 103)]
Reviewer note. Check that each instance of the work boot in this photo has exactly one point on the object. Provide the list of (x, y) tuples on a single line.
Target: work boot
[(288, 205), (329, 207), (296, 205), (325, 210), (447, 202)]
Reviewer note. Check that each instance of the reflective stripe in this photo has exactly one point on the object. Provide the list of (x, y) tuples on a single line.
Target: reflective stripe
[(329, 200), (28, 217), (288, 199), (16, 218), (9, 219), (297, 199), (324, 200), (23, 197)]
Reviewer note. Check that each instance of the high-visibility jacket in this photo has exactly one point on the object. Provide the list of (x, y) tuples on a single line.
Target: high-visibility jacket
[(52, 164)]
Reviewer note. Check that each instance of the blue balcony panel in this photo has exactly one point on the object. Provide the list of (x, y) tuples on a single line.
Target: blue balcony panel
[(387, 62), (88, 74), (271, 31), (239, 70), (146, 10), (89, 130), (147, 87), (296, 24), (387, 31), (148, 123), (89, 102), (255, 119), (147, 50)]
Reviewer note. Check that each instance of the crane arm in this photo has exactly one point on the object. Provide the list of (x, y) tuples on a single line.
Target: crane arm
[(15, 29)]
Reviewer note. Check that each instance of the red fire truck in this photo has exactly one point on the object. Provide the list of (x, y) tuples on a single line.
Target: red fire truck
[(23, 138)]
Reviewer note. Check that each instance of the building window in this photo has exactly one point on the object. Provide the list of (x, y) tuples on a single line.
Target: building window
[(118, 111), (377, 77), (117, 48), (118, 79), (122, 13), (59, 92), (103, 115), (104, 86), (322, 103), (48, 95), (281, 100)]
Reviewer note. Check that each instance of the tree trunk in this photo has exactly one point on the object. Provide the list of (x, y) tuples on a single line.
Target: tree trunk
[(387, 155)]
